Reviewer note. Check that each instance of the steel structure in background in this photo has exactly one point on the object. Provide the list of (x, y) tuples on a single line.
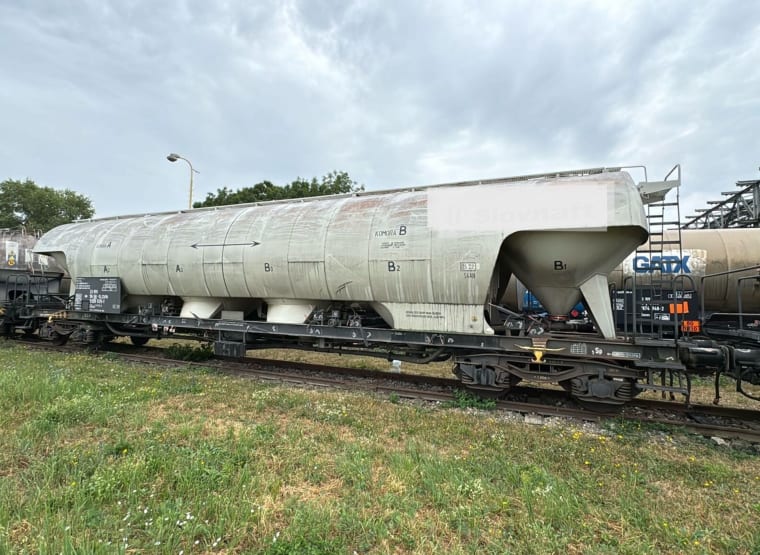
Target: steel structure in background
[(740, 209)]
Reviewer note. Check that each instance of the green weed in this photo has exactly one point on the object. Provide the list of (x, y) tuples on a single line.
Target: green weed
[(467, 400), (190, 352)]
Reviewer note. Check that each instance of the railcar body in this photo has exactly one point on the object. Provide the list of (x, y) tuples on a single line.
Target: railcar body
[(414, 274), (710, 259), (28, 281), (19, 264), (428, 259)]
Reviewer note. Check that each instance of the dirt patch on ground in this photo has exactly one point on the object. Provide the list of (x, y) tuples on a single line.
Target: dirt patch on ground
[(305, 491), (213, 420), (20, 533)]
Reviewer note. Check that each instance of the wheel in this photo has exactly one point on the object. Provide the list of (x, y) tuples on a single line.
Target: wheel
[(138, 340)]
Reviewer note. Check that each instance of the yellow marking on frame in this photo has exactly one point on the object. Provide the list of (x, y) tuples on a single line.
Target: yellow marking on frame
[(538, 352)]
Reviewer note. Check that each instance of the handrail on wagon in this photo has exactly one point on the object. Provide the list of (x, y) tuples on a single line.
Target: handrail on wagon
[(718, 274)]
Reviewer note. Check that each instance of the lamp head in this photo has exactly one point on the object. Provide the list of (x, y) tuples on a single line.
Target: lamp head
[(173, 157)]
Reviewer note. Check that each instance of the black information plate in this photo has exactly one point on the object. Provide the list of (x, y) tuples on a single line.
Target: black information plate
[(98, 294)]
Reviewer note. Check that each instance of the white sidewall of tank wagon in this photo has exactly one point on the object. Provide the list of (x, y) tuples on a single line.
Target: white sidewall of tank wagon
[(347, 248)]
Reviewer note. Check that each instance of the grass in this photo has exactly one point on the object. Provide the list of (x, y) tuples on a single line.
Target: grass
[(100, 456)]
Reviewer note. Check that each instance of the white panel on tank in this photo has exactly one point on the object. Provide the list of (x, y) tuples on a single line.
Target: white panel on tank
[(154, 257), (306, 251), (275, 241), (245, 266), (79, 247), (462, 265), (105, 254), (346, 262), (185, 262), (539, 203), (214, 250), (399, 250), (141, 231)]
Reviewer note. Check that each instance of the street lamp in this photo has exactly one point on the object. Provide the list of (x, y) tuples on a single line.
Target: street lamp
[(173, 157)]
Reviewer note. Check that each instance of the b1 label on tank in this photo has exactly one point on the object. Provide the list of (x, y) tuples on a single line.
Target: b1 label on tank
[(98, 294)]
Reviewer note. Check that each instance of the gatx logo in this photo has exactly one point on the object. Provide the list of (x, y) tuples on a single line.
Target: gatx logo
[(669, 264)]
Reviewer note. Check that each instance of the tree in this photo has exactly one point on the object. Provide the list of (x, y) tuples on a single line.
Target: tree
[(24, 203), (333, 183)]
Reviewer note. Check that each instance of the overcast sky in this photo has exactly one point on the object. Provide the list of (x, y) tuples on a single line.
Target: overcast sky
[(94, 95)]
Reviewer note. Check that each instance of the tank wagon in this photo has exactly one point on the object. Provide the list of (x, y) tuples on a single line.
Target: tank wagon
[(711, 260), (18, 262), (413, 274), (26, 280)]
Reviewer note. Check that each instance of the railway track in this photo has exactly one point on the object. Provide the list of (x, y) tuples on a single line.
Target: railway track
[(535, 403)]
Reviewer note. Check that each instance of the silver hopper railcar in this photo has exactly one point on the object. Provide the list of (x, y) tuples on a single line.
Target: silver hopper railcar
[(412, 274)]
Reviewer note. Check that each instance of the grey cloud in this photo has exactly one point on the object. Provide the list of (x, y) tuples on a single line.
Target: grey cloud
[(395, 93)]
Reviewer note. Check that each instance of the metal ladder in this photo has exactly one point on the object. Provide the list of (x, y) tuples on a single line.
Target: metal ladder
[(659, 291), (662, 289)]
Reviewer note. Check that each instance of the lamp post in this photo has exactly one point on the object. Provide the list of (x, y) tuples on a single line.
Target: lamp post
[(173, 157)]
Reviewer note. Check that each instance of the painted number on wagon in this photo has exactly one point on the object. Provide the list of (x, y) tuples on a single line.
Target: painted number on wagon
[(394, 266), (268, 267), (560, 265)]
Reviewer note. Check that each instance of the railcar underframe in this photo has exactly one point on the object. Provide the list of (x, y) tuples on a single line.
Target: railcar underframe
[(594, 370)]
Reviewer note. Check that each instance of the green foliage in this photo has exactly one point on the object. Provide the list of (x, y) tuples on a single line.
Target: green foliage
[(24, 203), (333, 183), (466, 400), (190, 353)]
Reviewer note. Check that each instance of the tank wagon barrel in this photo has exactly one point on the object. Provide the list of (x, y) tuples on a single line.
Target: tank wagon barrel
[(715, 252), (423, 259)]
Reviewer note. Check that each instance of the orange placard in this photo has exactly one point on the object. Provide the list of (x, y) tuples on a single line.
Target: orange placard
[(691, 326), (680, 308)]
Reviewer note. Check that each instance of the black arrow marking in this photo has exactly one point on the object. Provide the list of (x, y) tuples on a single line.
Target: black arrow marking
[(342, 288), (249, 244)]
